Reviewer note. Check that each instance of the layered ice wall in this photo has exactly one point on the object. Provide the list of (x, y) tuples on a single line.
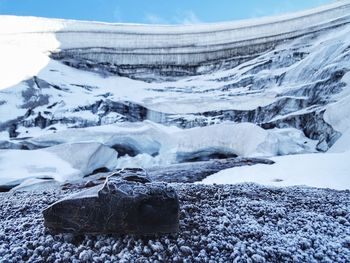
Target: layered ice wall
[(193, 45), (184, 48)]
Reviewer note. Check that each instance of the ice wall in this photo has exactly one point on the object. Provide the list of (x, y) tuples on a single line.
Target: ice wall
[(186, 45)]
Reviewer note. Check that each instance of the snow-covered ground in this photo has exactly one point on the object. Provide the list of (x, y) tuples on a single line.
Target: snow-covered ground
[(331, 170), (230, 223)]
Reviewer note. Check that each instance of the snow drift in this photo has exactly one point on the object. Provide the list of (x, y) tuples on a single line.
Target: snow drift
[(65, 162)]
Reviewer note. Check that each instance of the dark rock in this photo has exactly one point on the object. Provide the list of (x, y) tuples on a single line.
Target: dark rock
[(125, 150), (197, 171), (41, 121), (99, 170), (13, 131), (132, 175), (125, 204), (205, 155), (89, 184)]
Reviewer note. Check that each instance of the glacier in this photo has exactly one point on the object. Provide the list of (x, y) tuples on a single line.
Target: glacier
[(156, 95)]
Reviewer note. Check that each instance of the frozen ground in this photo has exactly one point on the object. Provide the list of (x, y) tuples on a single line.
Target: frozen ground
[(241, 223)]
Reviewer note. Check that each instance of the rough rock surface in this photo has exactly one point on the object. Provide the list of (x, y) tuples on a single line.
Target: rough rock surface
[(125, 204), (230, 223)]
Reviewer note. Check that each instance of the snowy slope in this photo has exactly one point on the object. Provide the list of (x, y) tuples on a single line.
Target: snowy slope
[(167, 94)]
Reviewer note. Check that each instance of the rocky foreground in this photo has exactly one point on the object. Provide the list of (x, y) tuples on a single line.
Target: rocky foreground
[(230, 223)]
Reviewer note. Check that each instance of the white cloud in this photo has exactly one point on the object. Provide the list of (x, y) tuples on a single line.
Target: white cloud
[(155, 19), (187, 17)]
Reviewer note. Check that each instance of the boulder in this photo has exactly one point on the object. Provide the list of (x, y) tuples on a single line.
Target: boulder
[(127, 203)]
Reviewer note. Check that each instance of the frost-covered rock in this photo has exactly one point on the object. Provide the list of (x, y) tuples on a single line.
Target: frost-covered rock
[(127, 203)]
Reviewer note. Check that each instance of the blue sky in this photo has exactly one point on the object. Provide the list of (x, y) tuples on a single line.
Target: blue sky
[(154, 11)]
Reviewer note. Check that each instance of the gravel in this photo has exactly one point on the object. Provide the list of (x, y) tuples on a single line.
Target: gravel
[(228, 223)]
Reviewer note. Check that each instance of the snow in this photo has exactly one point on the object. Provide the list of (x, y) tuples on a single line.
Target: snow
[(62, 163), (34, 184), (245, 139), (85, 157), (330, 170), (144, 137), (21, 55)]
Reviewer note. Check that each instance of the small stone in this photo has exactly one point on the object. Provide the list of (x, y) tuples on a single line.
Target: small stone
[(156, 247), (67, 255), (258, 259), (85, 255), (18, 251), (186, 250), (147, 251)]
